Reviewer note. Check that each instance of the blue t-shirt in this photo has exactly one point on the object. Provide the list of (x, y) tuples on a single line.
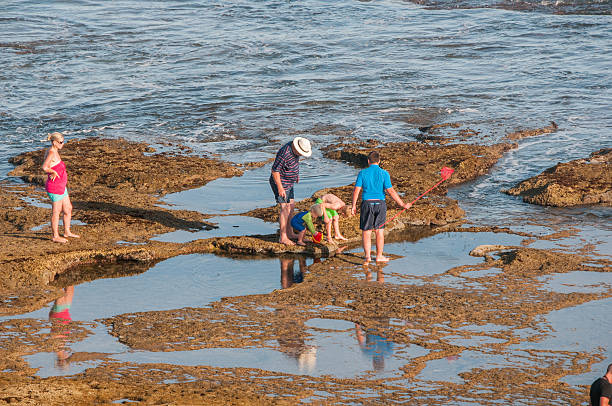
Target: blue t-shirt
[(374, 182)]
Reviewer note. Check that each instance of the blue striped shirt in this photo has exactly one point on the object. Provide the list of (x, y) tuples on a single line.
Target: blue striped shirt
[(287, 165)]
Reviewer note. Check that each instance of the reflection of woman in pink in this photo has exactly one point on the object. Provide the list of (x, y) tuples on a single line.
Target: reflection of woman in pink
[(59, 315), (55, 186)]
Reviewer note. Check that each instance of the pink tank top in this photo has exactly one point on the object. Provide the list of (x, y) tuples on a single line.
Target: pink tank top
[(57, 186)]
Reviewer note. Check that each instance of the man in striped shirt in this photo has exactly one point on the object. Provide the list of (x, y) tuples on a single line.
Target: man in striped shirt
[(285, 173)]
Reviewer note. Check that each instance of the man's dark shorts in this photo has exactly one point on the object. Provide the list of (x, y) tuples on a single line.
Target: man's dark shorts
[(373, 214), (279, 198)]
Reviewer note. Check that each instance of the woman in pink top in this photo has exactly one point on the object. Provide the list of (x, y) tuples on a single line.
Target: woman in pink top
[(55, 186)]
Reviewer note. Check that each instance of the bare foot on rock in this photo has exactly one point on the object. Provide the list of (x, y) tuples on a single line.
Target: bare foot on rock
[(286, 242), (302, 243), (382, 259), (73, 235), (59, 239), (341, 237)]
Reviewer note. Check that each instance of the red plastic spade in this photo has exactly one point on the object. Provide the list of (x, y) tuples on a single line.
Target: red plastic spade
[(318, 237), (445, 172)]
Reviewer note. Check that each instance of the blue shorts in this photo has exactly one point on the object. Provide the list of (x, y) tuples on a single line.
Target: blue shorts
[(56, 198), (277, 197), (297, 223), (373, 214)]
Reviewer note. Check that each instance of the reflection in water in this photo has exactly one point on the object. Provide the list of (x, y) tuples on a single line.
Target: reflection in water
[(380, 276), (293, 344), (290, 275), (371, 344), (60, 318), (374, 345), (291, 335)]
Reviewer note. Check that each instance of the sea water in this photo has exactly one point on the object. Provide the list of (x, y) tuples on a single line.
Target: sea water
[(240, 79)]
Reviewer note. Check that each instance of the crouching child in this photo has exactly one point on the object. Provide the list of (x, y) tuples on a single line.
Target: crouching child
[(303, 220)]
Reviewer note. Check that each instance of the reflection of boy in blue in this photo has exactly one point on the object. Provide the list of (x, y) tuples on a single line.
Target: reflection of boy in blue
[(374, 345)]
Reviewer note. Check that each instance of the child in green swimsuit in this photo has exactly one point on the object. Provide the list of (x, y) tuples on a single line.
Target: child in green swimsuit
[(332, 217)]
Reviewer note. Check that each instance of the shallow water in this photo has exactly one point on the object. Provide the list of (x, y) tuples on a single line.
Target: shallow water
[(250, 191), (337, 349), (333, 351), (579, 281), (437, 254), (240, 79), (184, 281), (226, 226)]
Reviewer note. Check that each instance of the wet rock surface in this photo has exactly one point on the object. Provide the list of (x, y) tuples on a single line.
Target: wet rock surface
[(114, 186), (414, 168), (578, 182), (429, 315), (517, 135), (493, 308)]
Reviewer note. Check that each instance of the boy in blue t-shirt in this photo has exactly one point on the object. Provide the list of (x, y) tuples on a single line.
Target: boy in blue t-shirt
[(375, 182)]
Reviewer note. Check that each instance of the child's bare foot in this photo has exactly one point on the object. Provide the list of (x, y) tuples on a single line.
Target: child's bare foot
[(341, 237), (70, 234), (382, 259), (286, 241), (302, 243), (367, 261), (59, 239)]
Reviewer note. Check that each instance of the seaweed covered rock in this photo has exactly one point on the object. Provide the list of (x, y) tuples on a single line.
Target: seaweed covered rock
[(578, 182)]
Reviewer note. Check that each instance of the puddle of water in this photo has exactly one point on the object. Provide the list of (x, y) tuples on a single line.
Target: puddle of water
[(437, 254), (228, 226), (485, 328), (185, 281), (475, 341), (330, 324), (583, 328), (482, 273), (600, 241), (578, 282), (448, 369), (343, 350), (55, 364), (73, 222), (36, 203), (252, 190), (121, 242)]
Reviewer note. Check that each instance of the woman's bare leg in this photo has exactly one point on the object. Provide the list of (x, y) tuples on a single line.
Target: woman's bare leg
[(67, 209), (56, 209)]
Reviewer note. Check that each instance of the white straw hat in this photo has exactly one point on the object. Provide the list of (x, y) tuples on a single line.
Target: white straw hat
[(302, 146)]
